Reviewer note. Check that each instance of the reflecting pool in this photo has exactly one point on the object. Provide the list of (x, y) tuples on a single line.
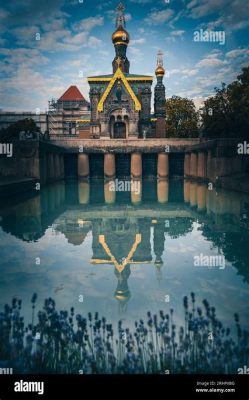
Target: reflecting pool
[(125, 248)]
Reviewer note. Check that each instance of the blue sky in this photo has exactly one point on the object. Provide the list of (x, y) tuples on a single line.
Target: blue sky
[(75, 42)]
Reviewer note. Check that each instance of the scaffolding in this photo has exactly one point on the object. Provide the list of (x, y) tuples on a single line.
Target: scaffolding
[(63, 116), (52, 117)]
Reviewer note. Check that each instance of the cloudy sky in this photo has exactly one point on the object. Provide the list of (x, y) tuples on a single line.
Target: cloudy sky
[(75, 42)]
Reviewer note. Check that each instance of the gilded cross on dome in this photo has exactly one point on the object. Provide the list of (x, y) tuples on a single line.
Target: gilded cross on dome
[(120, 8), (160, 58), (120, 21)]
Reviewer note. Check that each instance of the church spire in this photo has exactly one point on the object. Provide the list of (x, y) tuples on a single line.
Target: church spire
[(160, 96), (120, 39), (160, 71)]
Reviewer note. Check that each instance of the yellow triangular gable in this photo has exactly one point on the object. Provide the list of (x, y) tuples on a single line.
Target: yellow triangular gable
[(118, 75)]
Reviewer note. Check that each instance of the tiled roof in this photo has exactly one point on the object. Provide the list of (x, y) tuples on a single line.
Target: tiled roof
[(72, 93)]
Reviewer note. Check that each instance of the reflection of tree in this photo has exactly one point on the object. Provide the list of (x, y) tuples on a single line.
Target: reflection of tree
[(179, 227), (234, 246)]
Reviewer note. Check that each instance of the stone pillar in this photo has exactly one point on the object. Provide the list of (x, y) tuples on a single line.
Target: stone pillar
[(193, 164), (186, 191), (84, 192), (57, 165), (110, 192), (62, 173), (187, 165), (43, 168), (83, 165), (57, 193), (109, 165), (193, 194), (209, 166), (136, 191), (51, 171), (202, 165), (162, 191), (201, 197), (136, 165), (163, 165)]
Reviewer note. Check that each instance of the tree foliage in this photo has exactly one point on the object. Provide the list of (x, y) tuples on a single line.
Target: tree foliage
[(227, 113), (12, 132), (182, 117)]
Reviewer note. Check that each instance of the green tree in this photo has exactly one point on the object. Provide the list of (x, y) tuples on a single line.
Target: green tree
[(182, 117), (12, 131), (226, 113)]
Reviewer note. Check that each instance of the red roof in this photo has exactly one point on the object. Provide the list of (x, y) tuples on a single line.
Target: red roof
[(72, 93)]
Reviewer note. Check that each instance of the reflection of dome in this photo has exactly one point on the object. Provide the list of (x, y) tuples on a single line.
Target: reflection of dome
[(120, 36), (75, 238), (160, 70), (158, 262), (122, 295)]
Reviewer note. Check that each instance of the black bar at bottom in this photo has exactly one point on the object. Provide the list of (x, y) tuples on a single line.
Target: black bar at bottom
[(107, 386)]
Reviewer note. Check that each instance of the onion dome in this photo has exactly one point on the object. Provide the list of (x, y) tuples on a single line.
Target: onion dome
[(120, 36), (160, 71)]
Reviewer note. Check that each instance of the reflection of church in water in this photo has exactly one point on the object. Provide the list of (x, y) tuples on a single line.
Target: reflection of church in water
[(132, 234), (124, 242)]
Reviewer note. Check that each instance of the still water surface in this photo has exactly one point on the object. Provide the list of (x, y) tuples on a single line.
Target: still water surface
[(122, 253)]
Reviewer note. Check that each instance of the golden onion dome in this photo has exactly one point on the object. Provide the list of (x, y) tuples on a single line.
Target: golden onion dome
[(120, 36), (122, 295), (160, 70)]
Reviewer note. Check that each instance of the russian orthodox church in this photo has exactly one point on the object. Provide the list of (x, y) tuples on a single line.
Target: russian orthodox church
[(121, 101)]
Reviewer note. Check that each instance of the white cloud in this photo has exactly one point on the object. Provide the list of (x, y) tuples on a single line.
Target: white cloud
[(21, 56), (94, 42), (87, 24), (134, 42), (210, 62), (159, 17), (238, 53), (232, 14), (136, 55), (177, 33), (189, 72)]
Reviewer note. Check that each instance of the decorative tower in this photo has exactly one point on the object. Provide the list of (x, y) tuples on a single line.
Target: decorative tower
[(120, 39), (160, 98)]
